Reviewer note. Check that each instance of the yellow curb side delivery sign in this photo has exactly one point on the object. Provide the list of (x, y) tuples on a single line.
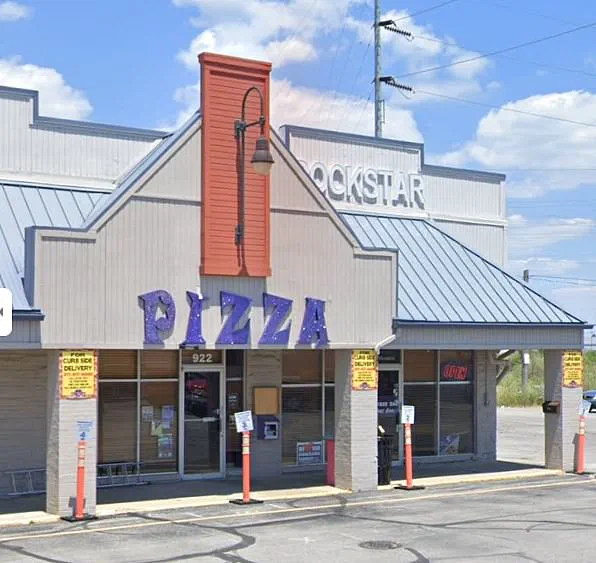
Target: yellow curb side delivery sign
[(364, 370), (573, 368), (78, 374)]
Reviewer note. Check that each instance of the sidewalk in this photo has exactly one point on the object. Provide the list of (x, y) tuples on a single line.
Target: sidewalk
[(193, 494)]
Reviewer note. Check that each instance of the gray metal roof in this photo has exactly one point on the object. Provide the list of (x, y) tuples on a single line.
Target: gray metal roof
[(24, 206), (442, 281)]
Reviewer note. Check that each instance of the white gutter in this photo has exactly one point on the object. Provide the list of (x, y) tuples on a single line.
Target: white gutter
[(384, 342)]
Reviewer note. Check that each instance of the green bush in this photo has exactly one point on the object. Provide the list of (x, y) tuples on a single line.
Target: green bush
[(509, 391)]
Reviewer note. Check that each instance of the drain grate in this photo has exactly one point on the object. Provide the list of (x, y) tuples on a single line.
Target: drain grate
[(379, 545)]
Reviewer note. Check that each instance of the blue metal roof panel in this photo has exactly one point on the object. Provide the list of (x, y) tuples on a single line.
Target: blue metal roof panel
[(28, 205), (442, 281)]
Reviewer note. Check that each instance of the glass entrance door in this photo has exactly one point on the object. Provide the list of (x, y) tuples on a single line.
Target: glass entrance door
[(388, 407), (203, 423)]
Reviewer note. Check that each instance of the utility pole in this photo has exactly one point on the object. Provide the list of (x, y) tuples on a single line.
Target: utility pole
[(378, 100), (525, 356)]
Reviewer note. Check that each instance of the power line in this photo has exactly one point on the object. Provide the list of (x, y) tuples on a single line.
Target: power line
[(502, 108), (530, 12), (357, 75), (364, 107), (426, 10), (517, 59), (499, 51)]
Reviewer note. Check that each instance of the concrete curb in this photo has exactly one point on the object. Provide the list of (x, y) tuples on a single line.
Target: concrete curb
[(115, 509), (482, 477)]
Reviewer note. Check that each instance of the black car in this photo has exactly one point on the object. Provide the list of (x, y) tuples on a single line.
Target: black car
[(590, 396)]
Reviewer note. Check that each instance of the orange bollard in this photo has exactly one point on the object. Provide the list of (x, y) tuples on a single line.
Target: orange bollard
[(409, 486), (246, 473), (80, 501), (581, 446)]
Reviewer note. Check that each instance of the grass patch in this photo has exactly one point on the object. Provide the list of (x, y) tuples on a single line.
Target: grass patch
[(509, 391)]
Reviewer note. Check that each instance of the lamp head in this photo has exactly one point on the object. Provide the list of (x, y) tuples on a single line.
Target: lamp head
[(262, 160)]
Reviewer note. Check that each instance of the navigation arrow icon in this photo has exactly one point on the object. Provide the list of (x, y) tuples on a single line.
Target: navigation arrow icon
[(5, 311)]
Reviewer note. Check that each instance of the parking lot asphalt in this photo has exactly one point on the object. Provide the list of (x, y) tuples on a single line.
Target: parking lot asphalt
[(551, 519), (520, 436)]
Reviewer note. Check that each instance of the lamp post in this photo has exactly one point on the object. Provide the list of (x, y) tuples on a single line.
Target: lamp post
[(261, 159)]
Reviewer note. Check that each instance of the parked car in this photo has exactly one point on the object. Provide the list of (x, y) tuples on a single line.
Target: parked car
[(590, 396)]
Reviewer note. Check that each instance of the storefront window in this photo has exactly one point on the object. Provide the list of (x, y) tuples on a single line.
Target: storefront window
[(388, 406), (234, 404), (307, 377), (159, 364), (456, 402), (159, 427), (117, 423), (420, 390)]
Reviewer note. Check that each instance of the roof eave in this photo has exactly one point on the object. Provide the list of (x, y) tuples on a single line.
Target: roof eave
[(400, 323)]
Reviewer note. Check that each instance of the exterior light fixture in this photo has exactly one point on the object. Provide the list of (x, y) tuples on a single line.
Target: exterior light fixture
[(262, 160)]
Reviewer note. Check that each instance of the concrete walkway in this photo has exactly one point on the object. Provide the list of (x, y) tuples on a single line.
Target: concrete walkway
[(195, 494)]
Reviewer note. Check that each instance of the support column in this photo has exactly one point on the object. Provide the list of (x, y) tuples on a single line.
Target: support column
[(355, 430), (559, 428), (62, 446)]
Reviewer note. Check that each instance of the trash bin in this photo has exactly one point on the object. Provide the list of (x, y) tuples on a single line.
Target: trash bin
[(384, 455)]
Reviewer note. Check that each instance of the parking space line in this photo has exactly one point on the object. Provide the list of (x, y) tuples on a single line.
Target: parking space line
[(259, 513)]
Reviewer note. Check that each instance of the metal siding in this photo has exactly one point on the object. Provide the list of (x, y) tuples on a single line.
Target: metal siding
[(26, 148), (463, 197), (26, 206), (26, 334), (488, 338), (154, 244), (182, 177), (23, 406), (332, 152), (441, 280), (487, 240), (281, 196)]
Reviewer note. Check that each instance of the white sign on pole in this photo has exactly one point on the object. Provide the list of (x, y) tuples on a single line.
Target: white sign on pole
[(584, 407), (407, 414), (84, 428), (244, 421)]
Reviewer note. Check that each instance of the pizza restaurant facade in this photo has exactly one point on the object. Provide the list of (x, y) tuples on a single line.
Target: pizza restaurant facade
[(154, 321)]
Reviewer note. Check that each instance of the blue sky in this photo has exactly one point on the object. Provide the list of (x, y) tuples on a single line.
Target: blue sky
[(133, 62)]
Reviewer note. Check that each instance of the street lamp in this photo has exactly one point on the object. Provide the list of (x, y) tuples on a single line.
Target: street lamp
[(261, 159)]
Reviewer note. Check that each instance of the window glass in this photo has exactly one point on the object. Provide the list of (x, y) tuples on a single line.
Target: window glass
[(159, 364), (192, 356), (234, 401), (457, 418), (301, 366), (235, 364), (301, 419), (424, 398), (329, 412), (329, 366), (388, 406), (117, 423), (117, 364), (159, 426), (390, 356), (456, 365), (420, 365)]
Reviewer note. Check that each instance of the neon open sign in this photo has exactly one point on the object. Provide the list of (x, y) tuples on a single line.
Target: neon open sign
[(453, 371)]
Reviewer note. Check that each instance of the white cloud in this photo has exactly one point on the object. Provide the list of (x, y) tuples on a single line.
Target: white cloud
[(13, 11), (426, 50), (56, 97), (579, 301), (312, 108), (528, 237), (291, 104), (507, 140), (272, 30)]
